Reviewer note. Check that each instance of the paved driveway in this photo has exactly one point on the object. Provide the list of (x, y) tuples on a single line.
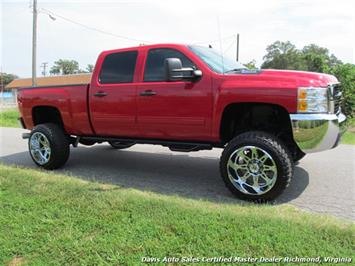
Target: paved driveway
[(323, 182)]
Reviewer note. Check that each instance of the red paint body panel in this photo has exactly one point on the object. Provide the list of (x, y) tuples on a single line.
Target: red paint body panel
[(71, 102), (182, 110), (115, 114)]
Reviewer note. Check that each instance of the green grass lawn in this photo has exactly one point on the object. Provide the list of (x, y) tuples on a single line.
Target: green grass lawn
[(348, 138), (8, 118), (49, 219)]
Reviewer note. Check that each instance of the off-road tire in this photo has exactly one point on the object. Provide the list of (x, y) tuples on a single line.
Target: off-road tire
[(277, 150), (59, 145)]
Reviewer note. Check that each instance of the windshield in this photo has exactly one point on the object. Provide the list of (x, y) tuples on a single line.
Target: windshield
[(215, 61)]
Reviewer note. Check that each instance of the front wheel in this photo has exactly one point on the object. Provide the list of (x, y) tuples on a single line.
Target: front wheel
[(256, 166), (48, 146)]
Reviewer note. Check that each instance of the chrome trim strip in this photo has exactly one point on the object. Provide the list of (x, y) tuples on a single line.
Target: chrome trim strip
[(334, 97)]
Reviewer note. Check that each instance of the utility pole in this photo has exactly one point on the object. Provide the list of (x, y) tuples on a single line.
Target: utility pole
[(34, 43), (237, 47), (44, 67)]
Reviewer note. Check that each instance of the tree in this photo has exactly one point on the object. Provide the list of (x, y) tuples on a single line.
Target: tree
[(6, 78), (251, 64), (285, 55), (318, 59), (64, 67), (90, 68), (282, 55), (345, 73)]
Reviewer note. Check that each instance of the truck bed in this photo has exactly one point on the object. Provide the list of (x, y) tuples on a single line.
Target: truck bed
[(71, 100)]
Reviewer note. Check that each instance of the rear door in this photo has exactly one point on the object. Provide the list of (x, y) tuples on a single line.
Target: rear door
[(113, 96), (180, 110)]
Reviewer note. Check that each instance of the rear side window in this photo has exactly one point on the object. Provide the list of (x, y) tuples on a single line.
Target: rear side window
[(118, 68), (154, 67)]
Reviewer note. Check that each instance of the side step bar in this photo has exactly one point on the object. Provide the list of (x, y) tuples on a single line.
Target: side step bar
[(172, 145), (26, 135)]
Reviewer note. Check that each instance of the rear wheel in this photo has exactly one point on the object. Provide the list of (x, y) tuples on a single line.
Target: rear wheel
[(256, 166), (49, 146), (120, 145)]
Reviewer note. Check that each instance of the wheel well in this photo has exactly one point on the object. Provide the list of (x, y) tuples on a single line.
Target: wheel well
[(46, 114), (242, 117)]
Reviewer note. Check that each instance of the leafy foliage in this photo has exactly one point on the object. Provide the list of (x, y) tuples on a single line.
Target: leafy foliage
[(346, 75), (318, 59), (67, 67), (6, 78), (251, 64), (90, 68), (282, 55), (64, 67)]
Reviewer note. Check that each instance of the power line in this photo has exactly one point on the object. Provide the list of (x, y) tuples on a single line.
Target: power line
[(50, 13), (53, 14)]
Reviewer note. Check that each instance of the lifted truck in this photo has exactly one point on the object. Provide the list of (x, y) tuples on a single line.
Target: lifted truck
[(189, 98)]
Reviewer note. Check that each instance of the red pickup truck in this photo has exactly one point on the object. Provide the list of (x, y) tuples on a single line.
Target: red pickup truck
[(190, 98)]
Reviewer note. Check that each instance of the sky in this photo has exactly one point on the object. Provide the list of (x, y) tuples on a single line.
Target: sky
[(326, 23)]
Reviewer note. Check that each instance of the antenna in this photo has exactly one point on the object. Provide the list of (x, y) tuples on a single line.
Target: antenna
[(237, 47), (220, 43)]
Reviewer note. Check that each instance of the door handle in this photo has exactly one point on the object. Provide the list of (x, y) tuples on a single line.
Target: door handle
[(100, 94), (148, 93)]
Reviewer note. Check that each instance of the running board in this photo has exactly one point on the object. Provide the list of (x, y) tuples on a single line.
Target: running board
[(26, 135), (172, 145), (188, 148)]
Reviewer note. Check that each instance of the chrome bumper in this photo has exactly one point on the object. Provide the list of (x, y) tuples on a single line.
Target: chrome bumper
[(317, 132)]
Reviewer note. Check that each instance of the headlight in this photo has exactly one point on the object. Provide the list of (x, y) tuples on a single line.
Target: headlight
[(312, 100)]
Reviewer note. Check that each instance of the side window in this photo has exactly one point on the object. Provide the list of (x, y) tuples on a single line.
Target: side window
[(118, 68), (154, 67)]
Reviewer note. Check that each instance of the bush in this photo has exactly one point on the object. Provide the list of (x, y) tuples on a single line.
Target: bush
[(345, 73)]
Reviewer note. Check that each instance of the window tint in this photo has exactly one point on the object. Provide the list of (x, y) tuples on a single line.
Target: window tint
[(154, 67), (118, 68)]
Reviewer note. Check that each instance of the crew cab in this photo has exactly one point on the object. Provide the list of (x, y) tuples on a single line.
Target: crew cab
[(190, 98)]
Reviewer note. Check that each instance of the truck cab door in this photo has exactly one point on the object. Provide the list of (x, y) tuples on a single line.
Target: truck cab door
[(112, 96), (176, 110)]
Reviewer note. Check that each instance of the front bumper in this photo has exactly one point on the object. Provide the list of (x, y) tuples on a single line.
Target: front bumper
[(317, 132)]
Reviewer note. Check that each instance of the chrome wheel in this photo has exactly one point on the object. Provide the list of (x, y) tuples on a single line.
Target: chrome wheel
[(40, 148), (252, 170)]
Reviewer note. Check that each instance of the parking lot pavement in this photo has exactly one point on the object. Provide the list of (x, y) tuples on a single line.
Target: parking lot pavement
[(323, 182)]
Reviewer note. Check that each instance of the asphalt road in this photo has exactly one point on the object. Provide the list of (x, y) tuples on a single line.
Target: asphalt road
[(323, 182)]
